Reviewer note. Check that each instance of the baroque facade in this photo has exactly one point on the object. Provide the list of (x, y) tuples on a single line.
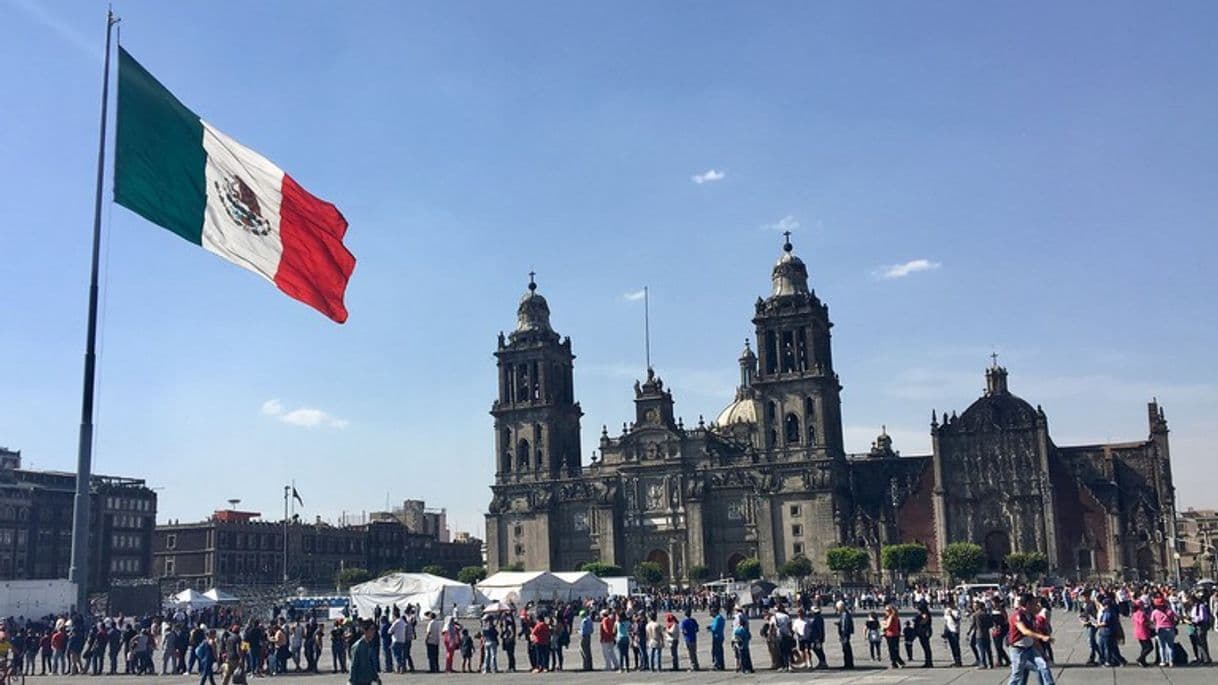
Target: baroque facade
[(770, 477)]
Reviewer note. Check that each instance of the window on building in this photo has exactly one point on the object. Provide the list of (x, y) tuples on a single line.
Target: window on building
[(518, 530), (519, 550), (792, 429), (797, 549), (171, 541), (796, 510), (797, 530), (171, 567), (1085, 560)]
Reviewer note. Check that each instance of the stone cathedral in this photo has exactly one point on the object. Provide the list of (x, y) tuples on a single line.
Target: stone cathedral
[(770, 477)]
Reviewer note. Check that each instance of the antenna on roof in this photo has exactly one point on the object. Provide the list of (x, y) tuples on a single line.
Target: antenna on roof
[(232, 504)]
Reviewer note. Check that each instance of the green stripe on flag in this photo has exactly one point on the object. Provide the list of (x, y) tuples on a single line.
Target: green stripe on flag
[(159, 158)]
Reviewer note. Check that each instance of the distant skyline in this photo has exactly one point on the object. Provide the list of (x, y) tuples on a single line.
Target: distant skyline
[(1035, 180)]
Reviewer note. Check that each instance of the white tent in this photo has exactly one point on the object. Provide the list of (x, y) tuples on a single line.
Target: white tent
[(220, 596), (430, 593), (584, 585), (190, 599), (521, 587)]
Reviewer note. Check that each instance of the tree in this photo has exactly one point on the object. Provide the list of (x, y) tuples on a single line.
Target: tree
[(1027, 564), (436, 570), (904, 559), (516, 567), (962, 560), (847, 561), (470, 575), (748, 569), (600, 569), (799, 567), (349, 576), (699, 573), (649, 573)]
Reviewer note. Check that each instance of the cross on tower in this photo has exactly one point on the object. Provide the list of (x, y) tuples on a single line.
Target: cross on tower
[(994, 359), (787, 235), (532, 284)]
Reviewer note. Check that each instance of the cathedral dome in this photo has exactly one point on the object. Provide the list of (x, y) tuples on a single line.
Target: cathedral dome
[(743, 410), (533, 314), (790, 275), (997, 409)]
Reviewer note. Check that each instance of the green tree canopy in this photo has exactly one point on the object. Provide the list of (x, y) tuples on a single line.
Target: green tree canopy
[(748, 569), (470, 575), (963, 560), (796, 567), (436, 570), (649, 573), (905, 558), (600, 569), (518, 566), (847, 560), (349, 576), (699, 573), (1027, 564)]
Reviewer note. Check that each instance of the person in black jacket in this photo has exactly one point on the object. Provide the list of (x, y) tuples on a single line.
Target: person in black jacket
[(922, 626), (845, 631)]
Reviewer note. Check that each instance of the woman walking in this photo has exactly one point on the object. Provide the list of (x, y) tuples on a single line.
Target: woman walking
[(892, 636), (1164, 621)]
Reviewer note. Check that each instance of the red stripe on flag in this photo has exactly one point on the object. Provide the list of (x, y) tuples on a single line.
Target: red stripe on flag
[(315, 266)]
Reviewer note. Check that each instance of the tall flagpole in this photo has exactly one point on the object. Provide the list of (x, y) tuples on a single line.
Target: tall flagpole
[(79, 570), (286, 488), (647, 327)]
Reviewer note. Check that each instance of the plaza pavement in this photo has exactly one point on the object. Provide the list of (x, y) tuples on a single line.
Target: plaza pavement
[(1071, 651)]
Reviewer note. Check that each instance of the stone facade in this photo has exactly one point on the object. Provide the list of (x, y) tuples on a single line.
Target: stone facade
[(770, 476)]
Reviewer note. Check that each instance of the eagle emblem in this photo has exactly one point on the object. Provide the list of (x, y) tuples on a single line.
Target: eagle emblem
[(241, 205)]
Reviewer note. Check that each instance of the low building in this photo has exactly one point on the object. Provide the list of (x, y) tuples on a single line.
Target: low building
[(1198, 545), (36, 525), (234, 549)]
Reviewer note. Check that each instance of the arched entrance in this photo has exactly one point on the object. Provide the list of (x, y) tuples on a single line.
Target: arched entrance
[(997, 547), (733, 561), (659, 556)]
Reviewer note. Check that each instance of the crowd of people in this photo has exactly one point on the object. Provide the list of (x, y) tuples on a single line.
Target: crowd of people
[(1009, 628)]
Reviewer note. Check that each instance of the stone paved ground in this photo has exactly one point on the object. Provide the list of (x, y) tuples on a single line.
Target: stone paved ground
[(1071, 651)]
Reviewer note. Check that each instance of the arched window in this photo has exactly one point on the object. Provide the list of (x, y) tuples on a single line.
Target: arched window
[(792, 429), (522, 454), (809, 412)]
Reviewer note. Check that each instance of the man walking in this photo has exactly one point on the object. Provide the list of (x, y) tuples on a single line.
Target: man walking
[(1025, 644)]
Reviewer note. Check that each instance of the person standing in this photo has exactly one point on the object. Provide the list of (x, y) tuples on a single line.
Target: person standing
[(490, 644), (432, 640), (689, 632), (507, 638), (655, 643), (780, 625), (672, 637), (1164, 621), (230, 647), (541, 635), (816, 636), (923, 626), (397, 646), (845, 631), (740, 642), (585, 639), (892, 636), (951, 631), (1143, 631), (1201, 620), (716, 628), (363, 661), (608, 638)]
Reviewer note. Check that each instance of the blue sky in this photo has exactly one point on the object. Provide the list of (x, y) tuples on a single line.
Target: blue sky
[(1052, 164)]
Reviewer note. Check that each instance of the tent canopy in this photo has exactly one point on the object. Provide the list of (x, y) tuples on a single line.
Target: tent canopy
[(522, 587), (584, 585), (430, 593), (220, 596), (191, 599)]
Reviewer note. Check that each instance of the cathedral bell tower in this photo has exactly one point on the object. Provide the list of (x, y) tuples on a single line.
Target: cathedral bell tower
[(536, 415), (795, 383)]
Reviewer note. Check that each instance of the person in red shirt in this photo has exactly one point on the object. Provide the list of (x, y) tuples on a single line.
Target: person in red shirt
[(608, 634), (59, 646), (1025, 644), (541, 642)]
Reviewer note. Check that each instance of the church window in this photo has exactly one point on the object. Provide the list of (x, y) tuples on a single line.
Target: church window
[(771, 409), (535, 377), (522, 454), (801, 349), (522, 382), (518, 530), (520, 550), (809, 412), (788, 351), (795, 511), (797, 531), (792, 429), (798, 549), (771, 352)]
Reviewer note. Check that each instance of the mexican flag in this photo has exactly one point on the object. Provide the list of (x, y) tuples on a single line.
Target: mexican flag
[(183, 174)]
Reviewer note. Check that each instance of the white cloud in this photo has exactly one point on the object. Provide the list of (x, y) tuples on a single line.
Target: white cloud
[(787, 223), (910, 267), (302, 416), (709, 176), (635, 296)]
